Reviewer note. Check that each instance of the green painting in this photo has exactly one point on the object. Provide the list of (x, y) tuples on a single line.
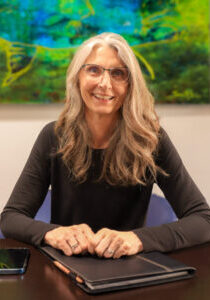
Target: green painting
[(38, 39)]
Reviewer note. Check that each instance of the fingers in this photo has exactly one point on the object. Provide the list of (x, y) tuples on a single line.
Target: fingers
[(107, 242), (114, 244), (89, 234), (79, 239), (103, 245), (71, 240), (100, 235), (121, 251), (63, 245), (57, 238)]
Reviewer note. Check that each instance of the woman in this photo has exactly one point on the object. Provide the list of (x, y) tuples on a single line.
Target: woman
[(101, 158)]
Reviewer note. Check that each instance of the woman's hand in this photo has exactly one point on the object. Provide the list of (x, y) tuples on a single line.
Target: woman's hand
[(111, 243), (74, 239)]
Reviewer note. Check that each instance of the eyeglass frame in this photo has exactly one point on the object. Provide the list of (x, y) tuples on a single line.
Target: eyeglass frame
[(109, 69)]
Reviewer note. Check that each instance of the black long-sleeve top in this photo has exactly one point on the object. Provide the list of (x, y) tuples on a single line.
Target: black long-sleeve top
[(102, 205)]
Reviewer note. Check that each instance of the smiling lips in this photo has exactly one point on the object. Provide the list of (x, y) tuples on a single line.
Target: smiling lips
[(103, 97)]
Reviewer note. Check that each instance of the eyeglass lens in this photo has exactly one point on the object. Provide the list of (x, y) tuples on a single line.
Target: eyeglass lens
[(117, 74)]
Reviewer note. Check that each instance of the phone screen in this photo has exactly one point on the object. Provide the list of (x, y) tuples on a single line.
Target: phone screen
[(14, 260)]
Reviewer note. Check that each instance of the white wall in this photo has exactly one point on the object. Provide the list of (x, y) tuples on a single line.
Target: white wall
[(188, 127), (19, 127)]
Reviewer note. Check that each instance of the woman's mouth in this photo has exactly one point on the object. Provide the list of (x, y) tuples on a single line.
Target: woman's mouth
[(103, 97)]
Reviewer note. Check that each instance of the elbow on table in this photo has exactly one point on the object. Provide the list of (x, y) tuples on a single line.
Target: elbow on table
[(3, 227)]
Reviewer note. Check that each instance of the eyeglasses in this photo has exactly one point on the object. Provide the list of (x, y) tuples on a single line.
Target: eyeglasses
[(118, 74)]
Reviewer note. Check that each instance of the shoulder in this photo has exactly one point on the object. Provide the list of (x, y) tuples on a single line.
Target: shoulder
[(162, 134), (164, 140), (48, 129), (47, 137), (166, 153)]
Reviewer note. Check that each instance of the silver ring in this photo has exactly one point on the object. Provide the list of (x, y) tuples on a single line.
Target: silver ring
[(74, 246), (110, 252)]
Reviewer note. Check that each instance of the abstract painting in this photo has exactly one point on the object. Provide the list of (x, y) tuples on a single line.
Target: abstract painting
[(38, 39)]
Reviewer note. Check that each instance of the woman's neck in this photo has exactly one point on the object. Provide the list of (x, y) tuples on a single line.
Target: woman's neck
[(101, 127)]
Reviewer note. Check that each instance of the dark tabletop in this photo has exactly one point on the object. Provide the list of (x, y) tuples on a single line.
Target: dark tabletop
[(43, 280)]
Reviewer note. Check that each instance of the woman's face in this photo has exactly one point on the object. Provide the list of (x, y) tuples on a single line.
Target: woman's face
[(102, 94)]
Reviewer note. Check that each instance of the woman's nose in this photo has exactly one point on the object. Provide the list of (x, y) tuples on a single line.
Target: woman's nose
[(105, 80)]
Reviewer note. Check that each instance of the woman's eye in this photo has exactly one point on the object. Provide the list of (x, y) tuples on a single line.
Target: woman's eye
[(118, 73), (94, 70)]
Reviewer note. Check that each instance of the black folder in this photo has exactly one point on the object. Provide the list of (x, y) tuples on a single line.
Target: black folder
[(104, 275)]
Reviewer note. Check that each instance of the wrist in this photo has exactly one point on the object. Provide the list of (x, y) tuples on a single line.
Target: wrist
[(138, 243), (46, 237)]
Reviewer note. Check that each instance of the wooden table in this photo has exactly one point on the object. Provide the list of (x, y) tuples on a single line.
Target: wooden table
[(43, 280)]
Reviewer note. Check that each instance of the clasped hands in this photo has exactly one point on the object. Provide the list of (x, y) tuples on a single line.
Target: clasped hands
[(80, 239)]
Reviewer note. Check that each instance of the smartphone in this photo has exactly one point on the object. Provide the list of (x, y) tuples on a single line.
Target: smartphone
[(14, 260)]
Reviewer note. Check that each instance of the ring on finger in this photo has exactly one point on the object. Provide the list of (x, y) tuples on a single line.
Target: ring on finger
[(110, 252), (74, 246)]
